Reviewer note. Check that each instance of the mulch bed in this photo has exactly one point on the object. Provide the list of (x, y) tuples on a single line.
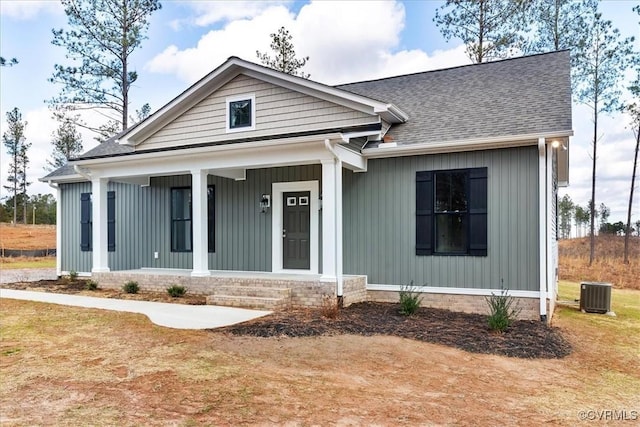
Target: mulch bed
[(469, 332)]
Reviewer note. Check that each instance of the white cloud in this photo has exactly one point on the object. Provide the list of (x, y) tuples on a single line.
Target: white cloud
[(26, 10), (614, 162), (346, 42), (210, 13)]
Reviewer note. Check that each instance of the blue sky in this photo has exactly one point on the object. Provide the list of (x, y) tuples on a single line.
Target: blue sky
[(347, 41)]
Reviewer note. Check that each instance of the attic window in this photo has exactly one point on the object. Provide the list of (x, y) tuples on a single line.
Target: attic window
[(241, 113)]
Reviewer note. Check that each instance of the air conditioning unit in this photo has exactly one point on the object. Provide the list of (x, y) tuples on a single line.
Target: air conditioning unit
[(595, 297)]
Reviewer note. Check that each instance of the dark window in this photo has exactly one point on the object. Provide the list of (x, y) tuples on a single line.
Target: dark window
[(111, 221), (86, 222), (240, 114), (181, 226), (211, 218), (86, 228), (451, 212), (181, 221)]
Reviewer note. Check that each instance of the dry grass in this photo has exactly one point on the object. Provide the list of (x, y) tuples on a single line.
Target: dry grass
[(70, 366), (21, 236), (608, 265), (27, 262)]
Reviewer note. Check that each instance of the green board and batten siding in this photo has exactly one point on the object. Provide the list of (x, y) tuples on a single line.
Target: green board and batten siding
[(378, 215), (379, 223), (143, 222)]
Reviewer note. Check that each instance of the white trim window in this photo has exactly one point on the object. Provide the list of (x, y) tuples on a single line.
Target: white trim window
[(241, 113)]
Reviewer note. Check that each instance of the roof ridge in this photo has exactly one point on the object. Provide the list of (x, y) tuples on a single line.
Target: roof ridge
[(475, 64)]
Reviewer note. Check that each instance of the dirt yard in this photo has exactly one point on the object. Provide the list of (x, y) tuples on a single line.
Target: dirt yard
[(25, 237), (64, 366)]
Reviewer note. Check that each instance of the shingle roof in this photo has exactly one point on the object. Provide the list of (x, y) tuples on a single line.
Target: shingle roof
[(65, 170), (528, 95), (107, 148)]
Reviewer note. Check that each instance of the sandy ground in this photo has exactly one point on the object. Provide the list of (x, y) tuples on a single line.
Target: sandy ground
[(71, 366)]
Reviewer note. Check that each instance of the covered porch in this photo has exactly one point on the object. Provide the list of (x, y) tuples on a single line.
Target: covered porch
[(252, 196)]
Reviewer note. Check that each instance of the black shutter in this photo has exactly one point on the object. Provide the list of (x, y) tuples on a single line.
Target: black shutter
[(111, 221), (85, 221), (478, 211), (424, 213), (211, 218)]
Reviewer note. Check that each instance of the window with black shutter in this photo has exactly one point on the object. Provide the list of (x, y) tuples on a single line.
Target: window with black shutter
[(181, 220), (111, 221), (451, 212), (85, 222)]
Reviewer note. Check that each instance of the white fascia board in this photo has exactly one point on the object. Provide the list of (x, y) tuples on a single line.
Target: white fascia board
[(454, 291), (64, 179), (350, 159), (211, 161), (461, 145)]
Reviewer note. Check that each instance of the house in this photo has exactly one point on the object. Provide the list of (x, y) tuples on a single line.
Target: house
[(252, 178)]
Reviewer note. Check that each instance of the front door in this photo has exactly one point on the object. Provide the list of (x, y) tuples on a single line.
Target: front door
[(296, 230)]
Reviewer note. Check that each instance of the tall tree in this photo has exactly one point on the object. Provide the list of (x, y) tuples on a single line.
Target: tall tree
[(600, 63), (582, 218), (66, 142), (604, 213), (565, 212), (489, 28), (633, 108), (14, 140), (557, 25), (285, 55), (8, 63), (102, 36)]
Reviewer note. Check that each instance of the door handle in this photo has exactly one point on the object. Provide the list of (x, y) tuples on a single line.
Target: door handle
[(284, 233)]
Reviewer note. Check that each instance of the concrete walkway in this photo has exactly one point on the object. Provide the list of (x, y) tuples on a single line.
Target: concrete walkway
[(178, 316)]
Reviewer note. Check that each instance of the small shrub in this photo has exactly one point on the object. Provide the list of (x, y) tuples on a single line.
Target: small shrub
[(90, 285), (329, 308), (73, 275), (131, 287), (176, 291), (502, 311), (409, 299)]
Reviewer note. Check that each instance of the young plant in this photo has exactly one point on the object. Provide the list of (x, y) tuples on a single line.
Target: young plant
[(502, 311), (131, 287), (329, 308), (176, 291), (409, 299), (73, 275), (90, 285)]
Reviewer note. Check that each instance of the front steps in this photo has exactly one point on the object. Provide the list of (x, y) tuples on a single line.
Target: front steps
[(254, 297)]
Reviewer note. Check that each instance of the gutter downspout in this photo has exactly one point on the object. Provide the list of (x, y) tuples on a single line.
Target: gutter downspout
[(58, 227), (338, 207), (542, 228)]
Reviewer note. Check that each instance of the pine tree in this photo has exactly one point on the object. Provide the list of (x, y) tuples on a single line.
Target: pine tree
[(285, 55), (103, 35), (600, 63), (66, 142), (14, 140), (489, 28)]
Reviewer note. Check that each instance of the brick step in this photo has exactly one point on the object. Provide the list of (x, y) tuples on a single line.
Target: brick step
[(252, 291), (242, 301)]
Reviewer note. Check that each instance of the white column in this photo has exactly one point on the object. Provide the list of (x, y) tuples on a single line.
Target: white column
[(542, 224), (199, 218), (549, 195), (329, 256), (99, 224), (58, 230), (338, 220)]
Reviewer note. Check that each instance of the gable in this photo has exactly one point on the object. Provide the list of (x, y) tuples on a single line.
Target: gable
[(278, 110)]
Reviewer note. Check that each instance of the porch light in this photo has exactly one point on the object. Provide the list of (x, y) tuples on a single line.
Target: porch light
[(557, 144), (265, 202)]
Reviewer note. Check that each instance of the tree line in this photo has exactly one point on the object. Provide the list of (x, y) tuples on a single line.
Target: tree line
[(103, 34)]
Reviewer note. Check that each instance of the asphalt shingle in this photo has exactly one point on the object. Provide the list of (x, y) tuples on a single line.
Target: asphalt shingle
[(528, 95)]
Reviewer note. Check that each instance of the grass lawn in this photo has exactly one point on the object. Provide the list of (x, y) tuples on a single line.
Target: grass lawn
[(69, 366), (26, 262)]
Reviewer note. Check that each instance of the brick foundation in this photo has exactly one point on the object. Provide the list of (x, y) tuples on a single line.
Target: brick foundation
[(305, 292), (530, 309)]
